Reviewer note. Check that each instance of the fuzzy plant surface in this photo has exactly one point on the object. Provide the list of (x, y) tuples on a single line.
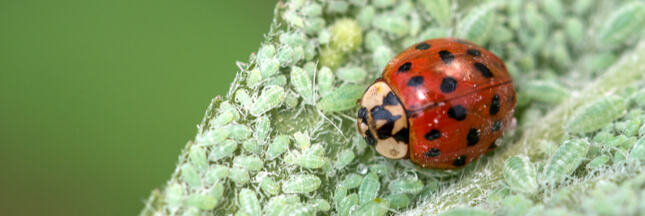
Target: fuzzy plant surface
[(283, 140)]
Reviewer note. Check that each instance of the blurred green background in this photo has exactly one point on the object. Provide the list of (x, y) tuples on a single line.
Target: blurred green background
[(98, 97)]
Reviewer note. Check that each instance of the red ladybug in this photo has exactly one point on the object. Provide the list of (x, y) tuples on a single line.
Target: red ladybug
[(441, 103)]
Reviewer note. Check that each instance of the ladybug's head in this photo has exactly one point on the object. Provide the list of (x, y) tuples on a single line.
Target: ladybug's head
[(382, 121)]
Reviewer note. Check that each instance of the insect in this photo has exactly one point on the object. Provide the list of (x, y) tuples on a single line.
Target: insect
[(441, 103)]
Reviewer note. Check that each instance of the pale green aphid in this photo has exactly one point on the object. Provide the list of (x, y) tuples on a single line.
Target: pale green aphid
[(620, 141), (315, 150), (215, 173), (501, 35), (478, 25), (343, 98), (280, 145), (266, 52), (301, 184), (262, 128), (434, 33), (520, 175), (369, 188), (346, 205), (600, 61), (546, 91), (365, 16), (392, 23), (339, 195), (239, 175), (269, 186), (174, 196), (440, 10), (190, 175), (269, 67), (295, 4), (324, 36), (254, 77), (514, 205), (561, 56), (213, 137), (553, 8), (298, 54), (596, 114), (382, 55), (285, 55), (598, 161), (498, 194), (198, 158), (249, 202), (228, 107), (238, 131), (217, 190), (638, 98), (351, 181), (325, 81), (406, 7), (291, 100), (203, 202), (332, 58), (638, 151), (302, 84), (376, 207), (293, 39), (336, 6), (278, 80), (582, 6), (398, 201), (351, 74), (275, 205), (320, 204), (565, 160), (249, 162), (293, 19), (373, 40), (574, 30), (345, 158), (314, 25), (309, 50), (619, 156), (242, 97), (466, 211), (299, 209), (380, 169), (383, 3), (222, 119), (252, 146), (270, 98), (312, 9), (622, 24), (310, 161), (346, 35), (310, 68), (302, 140), (406, 185), (223, 150)]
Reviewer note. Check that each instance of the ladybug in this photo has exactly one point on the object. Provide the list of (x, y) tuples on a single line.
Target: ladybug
[(441, 103)]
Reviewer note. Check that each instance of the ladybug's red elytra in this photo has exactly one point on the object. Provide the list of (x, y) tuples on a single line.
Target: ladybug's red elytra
[(442, 103)]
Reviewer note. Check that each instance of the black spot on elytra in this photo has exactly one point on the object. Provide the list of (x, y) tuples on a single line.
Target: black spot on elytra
[(448, 84), (433, 135), (415, 81), (378, 112), (390, 99), (495, 105), (433, 152), (422, 46), (460, 161), (497, 125), (385, 131), (446, 56), (483, 70), (457, 112), (402, 136), (405, 67), (362, 114), (473, 52), (472, 137), (369, 138)]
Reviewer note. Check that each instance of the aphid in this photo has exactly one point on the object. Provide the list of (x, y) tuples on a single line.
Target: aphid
[(382, 56), (398, 201), (174, 196), (262, 128), (280, 145), (269, 67), (270, 98), (212, 137), (406, 185), (254, 77), (277, 80), (269, 186), (638, 151), (252, 146), (394, 24), (216, 173), (217, 190), (298, 209), (250, 162), (203, 202), (242, 97), (346, 35), (293, 19), (380, 169), (343, 98), (309, 51), (310, 161), (520, 175), (285, 55), (302, 140), (301, 184), (545, 91), (325, 81), (622, 23), (239, 175), (347, 204), (440, 10), (369, 188), (223, 150), (478, 25), (197, 156), (596, 114), (365, 16), (498, 194), (565, 159), (238, 131), (190, 175), (441, 103), (320, 204), (345, 158), (351, 181), (351, 74), (302, 84), (375, 207), (336, 6), (274, 206), (312, 9), (222, 119), (249, 202), (339, 196), (373, 40), (598, 161)]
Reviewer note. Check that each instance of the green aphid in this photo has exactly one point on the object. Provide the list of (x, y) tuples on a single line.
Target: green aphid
[(391, 23), (565, 160), (440, 10), (381, 169), (343, 98), (405, 7), (369, 188), (223, 150), (217, 190), (406, 185), (581, 7), (243, 98), (293, 19), (415, 23), (293, 39), (312, 9), (375, 207), (315, 150), (269, 67), (434, 33), (280, 145), (285, 56), (310, 50), (228, 107), (638, 151), (501, 35), (373, 40), (238, 131), (320, 204), (252, 146), (269, 186), (622, 24), (383, 3), (331, 58), (346, 35), (325, 80), (197, 157), (298, 54), (638, 98), (212, 137), (619, 156), (190, 176), (302, 84), (222, 119), (216, 173), (478, 24), (292, 199), (270, 98), (302, 140), (598, 161), (498, 194), (248, 202), (249, 162), (346, 205), (351, 181), (365, 16), (301, 184), (239, 175), (203, 202), (266, 52), (262, 128), (554, 9), (514, 205), (314, 25), (398, 201), (299, 209), (324, 36), (339, 195), (520, 175), (545, 91), (174, 196), (291, 100), (631, 127), (382, 55), (337, 7), (345, 158), (310, 161), (596, 114), (254, 77), (274, 206), (278, 80), (574, 30), (351, 74)]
